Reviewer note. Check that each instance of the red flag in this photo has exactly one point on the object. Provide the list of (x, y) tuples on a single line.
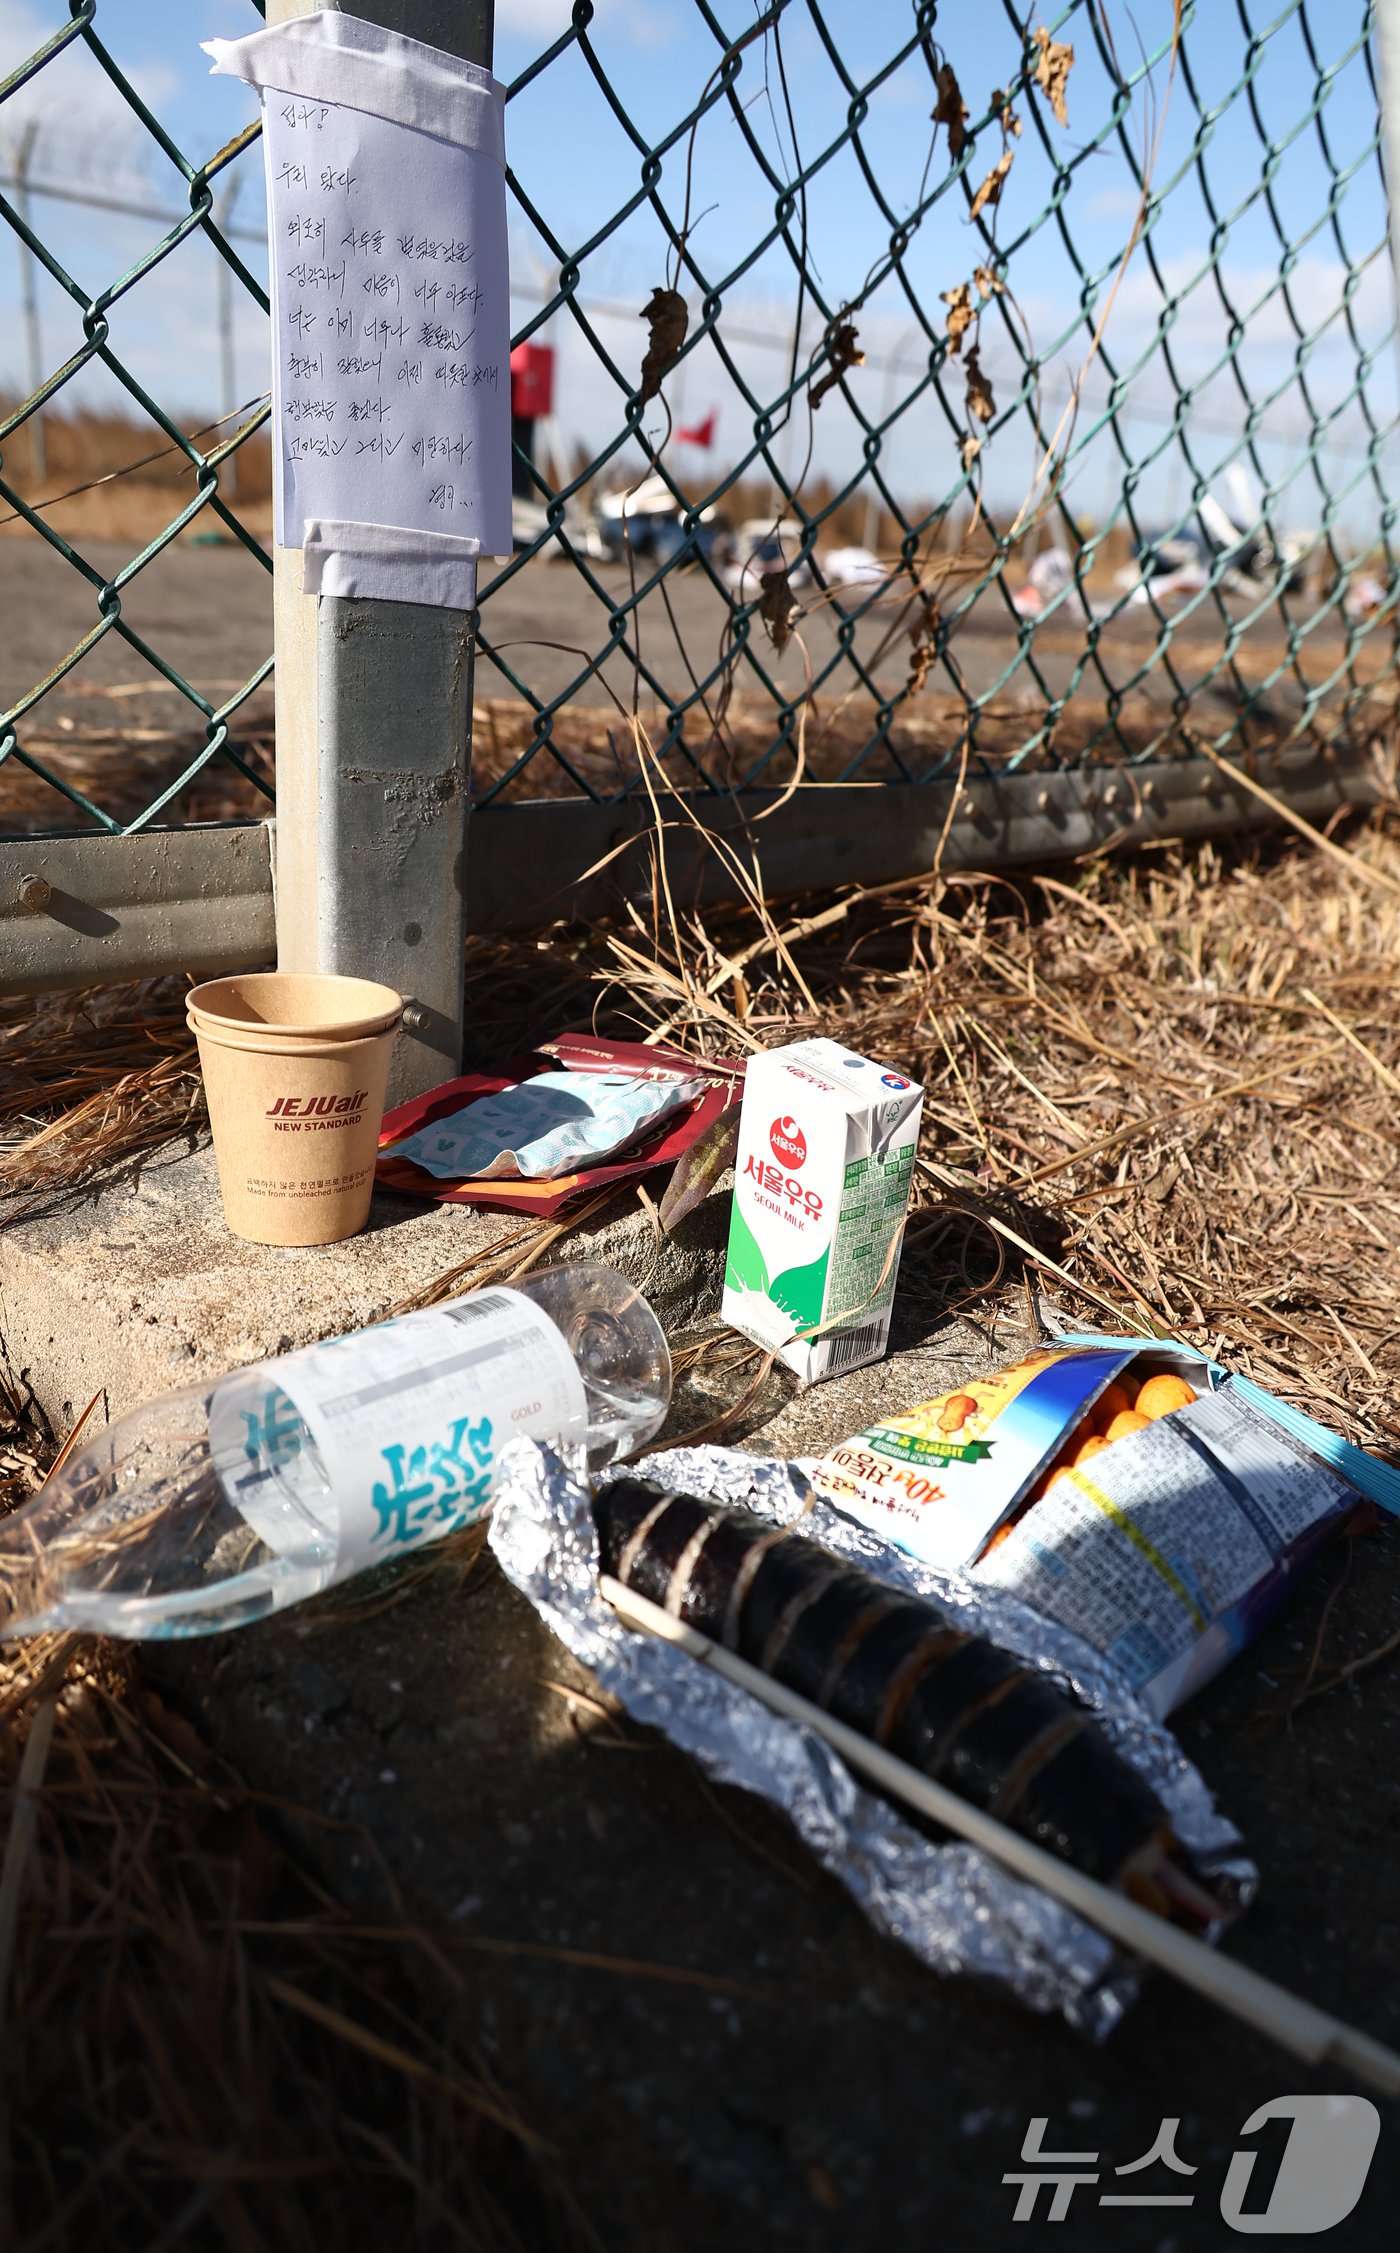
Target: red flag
[(703, 433), (532, 380)]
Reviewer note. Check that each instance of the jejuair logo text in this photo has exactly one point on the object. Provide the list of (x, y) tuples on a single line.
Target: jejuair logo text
[(317, 1106)]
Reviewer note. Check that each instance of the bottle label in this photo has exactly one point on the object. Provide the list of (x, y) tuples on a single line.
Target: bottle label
[(409, 1420)]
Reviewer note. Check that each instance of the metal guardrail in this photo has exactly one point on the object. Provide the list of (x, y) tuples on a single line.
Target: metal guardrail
[(946, 667), (81, 910)]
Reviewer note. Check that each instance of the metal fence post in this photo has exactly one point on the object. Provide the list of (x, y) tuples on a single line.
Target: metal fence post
[(374, 744)]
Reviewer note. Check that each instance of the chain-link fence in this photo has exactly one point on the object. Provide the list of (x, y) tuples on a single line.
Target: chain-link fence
[(1123, 469), (58, 104), (911, 390)]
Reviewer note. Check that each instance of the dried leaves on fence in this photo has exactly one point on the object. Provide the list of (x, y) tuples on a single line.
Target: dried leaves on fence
[(950, 109), (842, 352), (962, 311), (668, 317), (779, 608), (979, 391), (1052, 71), (961, 314), (990, 191), (923, 643)]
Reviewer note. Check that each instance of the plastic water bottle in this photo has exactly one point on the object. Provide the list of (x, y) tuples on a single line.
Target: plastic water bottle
[(228, 1500)]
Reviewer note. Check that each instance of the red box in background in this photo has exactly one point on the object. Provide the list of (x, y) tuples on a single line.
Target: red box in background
[(532, 381)]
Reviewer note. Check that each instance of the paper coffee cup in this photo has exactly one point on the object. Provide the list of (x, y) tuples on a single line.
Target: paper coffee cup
[(287, 1004), (295, 1106)]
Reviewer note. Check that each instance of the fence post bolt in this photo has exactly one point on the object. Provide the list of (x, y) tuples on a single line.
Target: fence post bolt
[(34, 893)]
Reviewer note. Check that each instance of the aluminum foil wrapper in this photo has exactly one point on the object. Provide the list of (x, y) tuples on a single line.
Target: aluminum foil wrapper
[(957, 1910)]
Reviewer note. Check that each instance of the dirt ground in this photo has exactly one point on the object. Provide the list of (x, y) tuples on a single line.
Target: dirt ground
[(120, 731)]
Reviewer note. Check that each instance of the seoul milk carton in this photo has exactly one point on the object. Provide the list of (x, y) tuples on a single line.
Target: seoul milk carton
[(822, 1176)]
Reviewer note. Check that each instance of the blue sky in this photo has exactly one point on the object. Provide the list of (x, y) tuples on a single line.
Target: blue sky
[(578, 166)]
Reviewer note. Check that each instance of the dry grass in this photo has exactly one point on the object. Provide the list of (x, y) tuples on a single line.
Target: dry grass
[(87, 1074), (112, 476), (136, 511), (122, 769), (26, 1447), (925, 734), (1167, 1085), (200, 2050), (86, 445), (1163, 1090), (930, 730), (197, 2046), (1164, 1087)]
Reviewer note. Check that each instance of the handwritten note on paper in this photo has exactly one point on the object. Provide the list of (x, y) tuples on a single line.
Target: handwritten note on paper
[(390, 292)]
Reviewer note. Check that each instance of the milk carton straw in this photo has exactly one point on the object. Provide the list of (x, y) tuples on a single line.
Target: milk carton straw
[(825, 1161)]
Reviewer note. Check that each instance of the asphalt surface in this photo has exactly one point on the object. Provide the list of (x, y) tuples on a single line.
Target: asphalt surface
[(208, 612)]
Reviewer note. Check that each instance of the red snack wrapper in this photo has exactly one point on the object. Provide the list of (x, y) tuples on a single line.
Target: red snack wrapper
[(575, 1052)]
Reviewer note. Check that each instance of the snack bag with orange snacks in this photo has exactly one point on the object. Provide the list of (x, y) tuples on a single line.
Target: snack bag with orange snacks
[(941, 1479), (1133, 1491)]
